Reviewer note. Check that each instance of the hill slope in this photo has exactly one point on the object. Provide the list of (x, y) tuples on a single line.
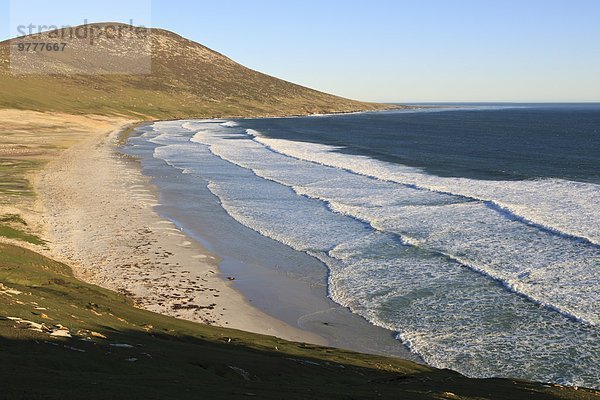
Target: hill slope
[(186, 80), (61, 338)]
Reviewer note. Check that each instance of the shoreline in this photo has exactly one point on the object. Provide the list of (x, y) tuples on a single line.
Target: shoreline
[(77, 220), (287, 284), (86, 195)]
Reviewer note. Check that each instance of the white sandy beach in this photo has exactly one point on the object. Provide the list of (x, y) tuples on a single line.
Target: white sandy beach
[(96, 210)]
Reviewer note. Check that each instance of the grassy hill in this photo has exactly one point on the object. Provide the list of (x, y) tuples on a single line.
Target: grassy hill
[(186, 80), (61, 338)]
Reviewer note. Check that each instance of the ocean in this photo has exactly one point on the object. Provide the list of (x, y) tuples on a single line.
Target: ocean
[(471, 233)]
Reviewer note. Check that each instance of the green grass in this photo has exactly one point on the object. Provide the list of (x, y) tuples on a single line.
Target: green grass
[(12, 233), (13, 182), (183, 360), (12, 218), (7, 229)]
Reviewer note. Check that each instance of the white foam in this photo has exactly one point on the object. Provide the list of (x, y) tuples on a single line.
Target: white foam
[(192, 125), (229, 124), (548, 269), (406, 275), (565, 206)]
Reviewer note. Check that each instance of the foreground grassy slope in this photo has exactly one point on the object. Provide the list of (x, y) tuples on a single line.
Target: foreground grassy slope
[(187, 80), (118, 351)]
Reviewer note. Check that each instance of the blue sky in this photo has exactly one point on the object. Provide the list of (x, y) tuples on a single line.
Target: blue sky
[(379, 50)]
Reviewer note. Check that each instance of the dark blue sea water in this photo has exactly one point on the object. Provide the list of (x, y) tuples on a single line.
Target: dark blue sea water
[(474, 233), (495, 142)]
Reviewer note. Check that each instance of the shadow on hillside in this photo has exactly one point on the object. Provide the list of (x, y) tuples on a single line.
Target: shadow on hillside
[(134, 364)]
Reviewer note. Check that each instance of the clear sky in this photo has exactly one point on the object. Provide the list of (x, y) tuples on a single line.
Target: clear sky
[(379, 50)]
